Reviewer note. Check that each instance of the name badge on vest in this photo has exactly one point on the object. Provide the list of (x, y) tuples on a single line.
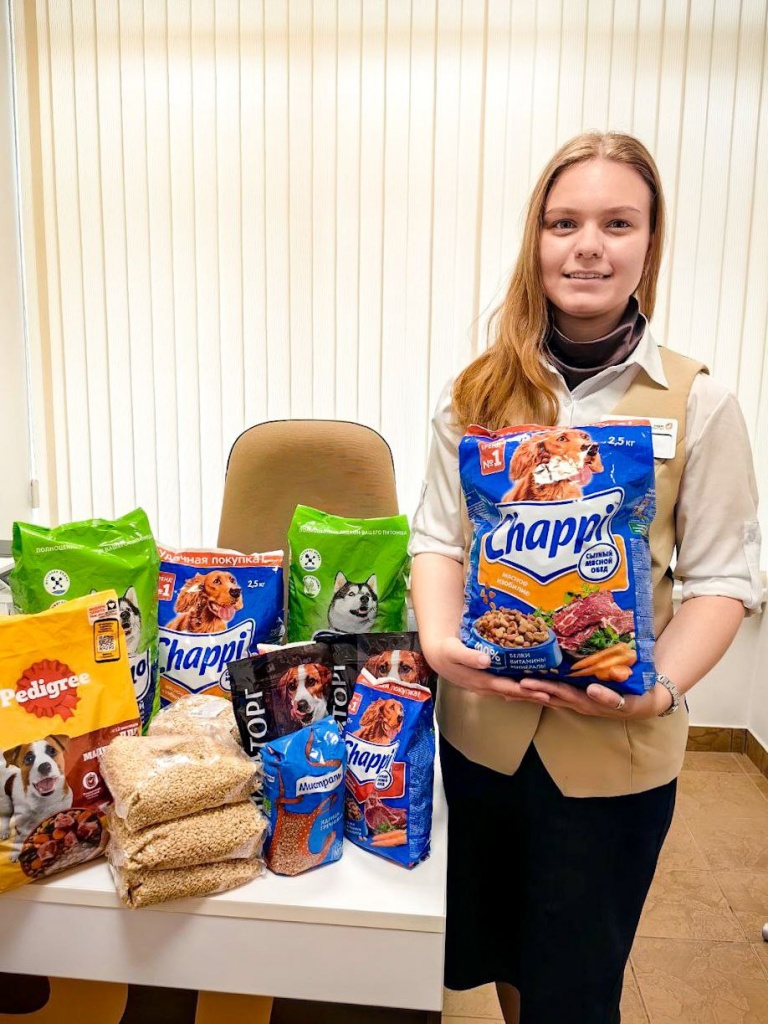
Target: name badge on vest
[(664, 433)]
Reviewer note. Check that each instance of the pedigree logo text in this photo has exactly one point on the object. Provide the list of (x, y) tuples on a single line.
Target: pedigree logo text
[(46, 689)]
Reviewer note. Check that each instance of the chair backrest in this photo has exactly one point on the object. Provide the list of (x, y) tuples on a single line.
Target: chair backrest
[(339, 467)]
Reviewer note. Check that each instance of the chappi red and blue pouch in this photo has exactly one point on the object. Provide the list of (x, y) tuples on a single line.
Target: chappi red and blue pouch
[(559, 583), (390, 741)]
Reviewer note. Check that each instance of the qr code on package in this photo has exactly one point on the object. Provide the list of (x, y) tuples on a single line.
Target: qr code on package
[(106, 634)]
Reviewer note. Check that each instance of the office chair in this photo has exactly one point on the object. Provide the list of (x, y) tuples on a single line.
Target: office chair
[(339, 467)]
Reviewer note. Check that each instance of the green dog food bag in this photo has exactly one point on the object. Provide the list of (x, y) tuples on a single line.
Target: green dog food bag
[(73, 560), (347, 575)]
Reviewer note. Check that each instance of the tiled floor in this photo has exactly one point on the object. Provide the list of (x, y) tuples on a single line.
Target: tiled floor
[(698, 957)]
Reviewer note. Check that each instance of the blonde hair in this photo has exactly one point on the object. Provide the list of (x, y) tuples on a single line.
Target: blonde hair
[(511, 367)]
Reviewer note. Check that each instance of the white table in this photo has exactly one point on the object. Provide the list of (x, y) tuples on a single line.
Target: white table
[(362, 930)]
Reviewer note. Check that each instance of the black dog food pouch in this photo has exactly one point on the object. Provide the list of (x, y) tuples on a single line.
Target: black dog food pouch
[(384, 655), (280, 692)]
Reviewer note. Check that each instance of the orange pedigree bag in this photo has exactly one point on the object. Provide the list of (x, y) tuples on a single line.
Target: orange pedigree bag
[(65, 692)]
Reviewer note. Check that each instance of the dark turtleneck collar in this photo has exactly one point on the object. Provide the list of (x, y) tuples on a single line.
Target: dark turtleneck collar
[(577, 361)]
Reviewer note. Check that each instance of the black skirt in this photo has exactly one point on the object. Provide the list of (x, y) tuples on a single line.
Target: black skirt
[(545, 891)]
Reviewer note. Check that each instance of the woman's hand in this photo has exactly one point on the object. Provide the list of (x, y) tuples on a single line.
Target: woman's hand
[(437, 587), (599, 701), (465, 667)]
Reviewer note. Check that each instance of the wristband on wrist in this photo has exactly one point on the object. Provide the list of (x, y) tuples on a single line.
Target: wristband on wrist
[(667, 683)]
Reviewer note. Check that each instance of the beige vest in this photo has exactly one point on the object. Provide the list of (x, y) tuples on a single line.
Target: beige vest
[(594, 756)]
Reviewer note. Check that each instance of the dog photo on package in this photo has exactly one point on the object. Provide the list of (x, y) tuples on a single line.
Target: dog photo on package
[(390, 740), (282, 691), (346, 575), (215, 606), (559, 582)]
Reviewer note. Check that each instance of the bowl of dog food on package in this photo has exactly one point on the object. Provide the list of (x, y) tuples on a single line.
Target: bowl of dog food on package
[(516, 641), (62, 840)]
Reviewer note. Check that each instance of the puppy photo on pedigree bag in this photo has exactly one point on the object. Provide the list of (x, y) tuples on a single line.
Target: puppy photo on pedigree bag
[(65, 693), (215, 606)]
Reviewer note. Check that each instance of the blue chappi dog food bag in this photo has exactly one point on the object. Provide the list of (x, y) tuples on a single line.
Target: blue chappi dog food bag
[(390, 740), (559, 584), (214, 607)]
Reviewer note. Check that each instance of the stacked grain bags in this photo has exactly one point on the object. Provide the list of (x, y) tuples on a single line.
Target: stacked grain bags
[(183, 823)]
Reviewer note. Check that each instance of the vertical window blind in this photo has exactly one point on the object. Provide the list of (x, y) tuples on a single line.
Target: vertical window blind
[(240, 211)]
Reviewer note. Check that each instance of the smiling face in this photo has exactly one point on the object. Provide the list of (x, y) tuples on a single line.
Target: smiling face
[(593, 245)]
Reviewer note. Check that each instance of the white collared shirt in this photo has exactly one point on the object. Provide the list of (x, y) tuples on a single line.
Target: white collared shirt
[(718, 534)]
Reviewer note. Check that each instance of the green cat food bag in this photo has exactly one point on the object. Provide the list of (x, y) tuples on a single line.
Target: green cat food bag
[(348, 575), (73, 560)]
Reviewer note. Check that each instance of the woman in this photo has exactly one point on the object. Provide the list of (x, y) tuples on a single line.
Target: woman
[(560, 799)]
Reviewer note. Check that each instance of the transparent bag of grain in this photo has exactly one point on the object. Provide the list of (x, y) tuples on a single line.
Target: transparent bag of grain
[(158, 778), (232, 832), (146, 886)]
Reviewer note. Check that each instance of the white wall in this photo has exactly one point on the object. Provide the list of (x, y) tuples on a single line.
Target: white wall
[(317, 200), (14, 447), (758, 707), (735, 693), (729, 696)]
